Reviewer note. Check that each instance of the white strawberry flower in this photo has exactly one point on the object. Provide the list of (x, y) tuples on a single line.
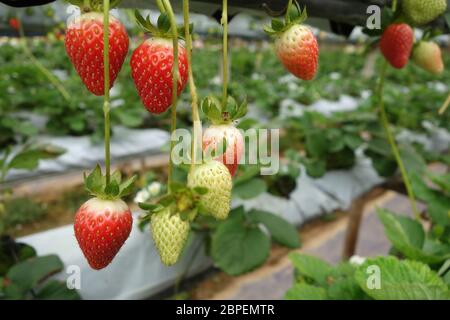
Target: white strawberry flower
[(357, 260), (142, 196), (154, 188)]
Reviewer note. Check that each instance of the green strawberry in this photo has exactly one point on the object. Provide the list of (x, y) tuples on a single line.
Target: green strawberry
[(428, 56), (214, 176), (420, 12), (170, 234)]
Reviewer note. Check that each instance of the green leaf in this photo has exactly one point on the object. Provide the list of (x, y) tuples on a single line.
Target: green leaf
[(315, 168), (407, 236), (29, 157), (303, 291), (345, 289), (412, 160), (311, 267), (440, 180), (400, 280), (250, 189), (438, 203), (238, 248), (281, 231), (402, 229), (12, 252), (353, 141), (316, 144), (55, 290), (444, 268), (248, 173), (28, 274)]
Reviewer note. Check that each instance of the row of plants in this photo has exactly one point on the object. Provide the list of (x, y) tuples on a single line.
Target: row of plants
[(259, 78), (418, 264)]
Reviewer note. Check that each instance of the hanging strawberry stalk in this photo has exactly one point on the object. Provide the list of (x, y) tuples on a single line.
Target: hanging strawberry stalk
[(222, 143), (103, 223), (222, 137), (208, 191), (295, 44), (398, 47), (160, 71)]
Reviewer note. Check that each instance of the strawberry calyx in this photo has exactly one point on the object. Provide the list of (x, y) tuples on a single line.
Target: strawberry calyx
[(162, 29), (96, 184), (294, 15), (223, 114), (182, 200), (93, 5)]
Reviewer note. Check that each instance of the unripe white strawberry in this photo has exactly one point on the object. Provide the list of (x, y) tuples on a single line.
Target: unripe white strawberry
[(170, 234), (214, 176), (420, 12), (428, 56)]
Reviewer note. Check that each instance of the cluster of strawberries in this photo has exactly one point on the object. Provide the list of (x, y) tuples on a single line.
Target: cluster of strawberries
[(103, 223), (398, 40)]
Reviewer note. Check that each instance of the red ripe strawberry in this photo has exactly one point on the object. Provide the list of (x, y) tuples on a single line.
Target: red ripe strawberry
[(101, 228), (151, 69), (298, 50), (217, 134), (14, 23), (396, 44), (84, 46)]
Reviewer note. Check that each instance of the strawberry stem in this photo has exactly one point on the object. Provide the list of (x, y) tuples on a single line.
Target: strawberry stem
[(394, 5), (160, 6), (445, 105), (173, 125), (196, 124), (391, 140), (224, 22), (106, 109)]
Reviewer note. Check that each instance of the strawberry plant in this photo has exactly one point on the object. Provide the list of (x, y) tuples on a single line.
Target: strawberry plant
[(16, 280)]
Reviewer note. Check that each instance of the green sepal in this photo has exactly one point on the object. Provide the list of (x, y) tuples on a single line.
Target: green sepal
[(200, 190), (162, 28), (181, 30), (163, 22), (177, 186), (95, 184), (189, 215), (181, 200), (223, 114), (93, 5), (294, 15), (112, 189), (151, 207)]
